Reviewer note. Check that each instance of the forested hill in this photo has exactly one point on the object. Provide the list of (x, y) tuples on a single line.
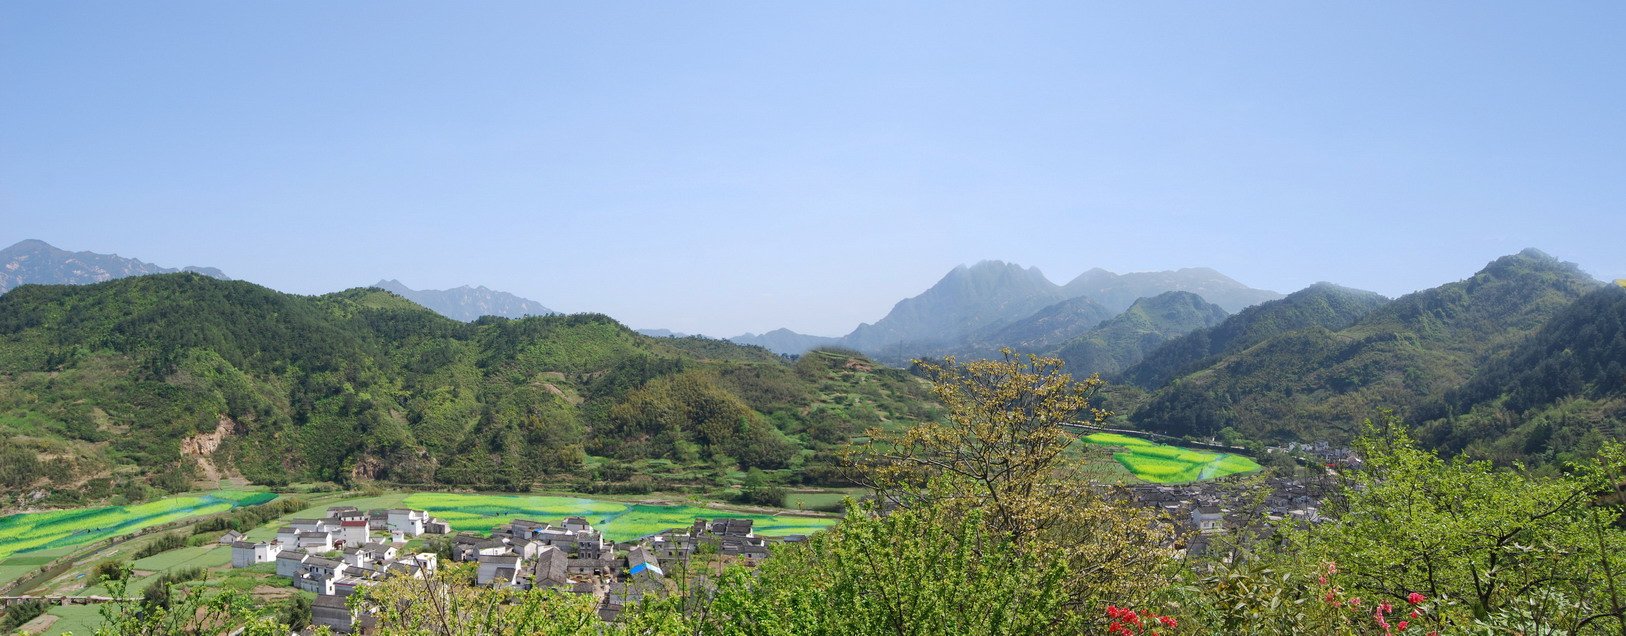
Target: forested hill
[(1316, 383), (363, 384), (1125, 339), (1559, 393), (1322, 305)]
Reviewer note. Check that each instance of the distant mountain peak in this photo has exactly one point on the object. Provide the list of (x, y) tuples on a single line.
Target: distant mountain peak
[(37, 262), (467, 303), (1118, 291)]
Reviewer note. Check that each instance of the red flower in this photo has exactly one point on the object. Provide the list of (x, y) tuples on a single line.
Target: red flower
[(1115, 628), (1415, 598), (1401, 626), (1168, 621), (1414, 614)]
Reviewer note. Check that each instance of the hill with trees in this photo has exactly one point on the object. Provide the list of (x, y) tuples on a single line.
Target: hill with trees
[(1322, 305), (1314, 383), (1553, 398), (151, 381), (1125, 339)]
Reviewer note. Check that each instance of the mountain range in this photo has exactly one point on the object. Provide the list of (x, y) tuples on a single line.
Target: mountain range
[(35, 261), (125, 381), (467, 303), (160, 379), (1316, 364), (977, 309)]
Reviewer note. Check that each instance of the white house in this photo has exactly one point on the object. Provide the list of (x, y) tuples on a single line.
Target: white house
[(319, 574), (354, 532), (407, 521), (244, 554), (502, 569), (1208, 519)]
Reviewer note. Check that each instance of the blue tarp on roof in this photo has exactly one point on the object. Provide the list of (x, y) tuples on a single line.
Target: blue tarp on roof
[(647, 566)]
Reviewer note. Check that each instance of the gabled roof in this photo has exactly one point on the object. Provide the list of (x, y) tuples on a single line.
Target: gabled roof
[(330, 601)]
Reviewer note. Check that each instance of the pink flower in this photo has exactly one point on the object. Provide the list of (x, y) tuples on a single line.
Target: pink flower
[(1415, 598), (1323, 580), (1355, 602), (1414, 614), (1385, 608), (1332, 567), (1401, 626)]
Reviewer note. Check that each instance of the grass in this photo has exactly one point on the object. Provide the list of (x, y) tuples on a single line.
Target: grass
[(201, 556), (618, 521), (817, 500), (81, 620), (1164, 464)]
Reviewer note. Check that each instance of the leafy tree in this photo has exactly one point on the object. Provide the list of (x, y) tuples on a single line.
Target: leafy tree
[(999, 455), (917, 571)]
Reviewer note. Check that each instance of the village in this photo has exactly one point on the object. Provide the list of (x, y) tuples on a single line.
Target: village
[(335, 555)]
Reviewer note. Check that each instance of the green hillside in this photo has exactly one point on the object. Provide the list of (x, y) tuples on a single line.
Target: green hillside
[(1317, 383), (1323, 305), (1123, 340), (1559, 393), (101, 387)]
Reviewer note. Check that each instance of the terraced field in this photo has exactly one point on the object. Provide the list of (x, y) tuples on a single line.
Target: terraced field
[(1164, 464), (618, 521), (65, 528)]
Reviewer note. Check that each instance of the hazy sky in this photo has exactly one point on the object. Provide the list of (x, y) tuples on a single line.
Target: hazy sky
[(725, 167)]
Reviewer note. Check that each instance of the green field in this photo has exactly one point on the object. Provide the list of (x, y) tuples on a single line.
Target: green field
[(65, 528), (618, 521), (1164, 464), (206, 556), (81, 620)]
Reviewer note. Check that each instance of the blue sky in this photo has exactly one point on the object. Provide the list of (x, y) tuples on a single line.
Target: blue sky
[(728, 167)]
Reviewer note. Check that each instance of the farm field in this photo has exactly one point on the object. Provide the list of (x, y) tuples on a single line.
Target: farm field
[(29, 532), (618, 521), (1164, 464), (81, 620)]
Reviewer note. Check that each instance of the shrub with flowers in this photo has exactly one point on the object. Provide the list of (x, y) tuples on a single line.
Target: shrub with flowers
[(1128, 622), (1239, 599)]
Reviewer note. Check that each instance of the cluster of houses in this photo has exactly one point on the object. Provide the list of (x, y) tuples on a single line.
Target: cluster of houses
[(1199, 510), (573, 556), (333, 555)]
